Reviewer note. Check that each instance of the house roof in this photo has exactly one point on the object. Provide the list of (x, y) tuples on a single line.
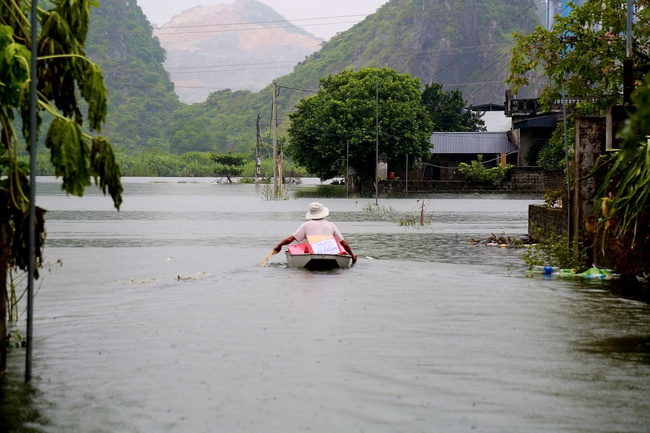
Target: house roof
[(490, 106), (471, 142), (548, 121)]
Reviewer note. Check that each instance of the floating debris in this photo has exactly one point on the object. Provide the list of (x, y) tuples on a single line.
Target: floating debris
[(553, 271), (147, 280), (195, 276), (501, 241)]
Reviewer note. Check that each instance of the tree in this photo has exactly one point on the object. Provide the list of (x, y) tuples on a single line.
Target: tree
[(583, 54), (477, 172), (65, 76), (449, 112), (229, 165), (346, 109), (623, 197)]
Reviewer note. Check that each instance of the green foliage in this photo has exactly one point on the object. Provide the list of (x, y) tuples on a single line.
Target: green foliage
[(422, 38), (624, 193), (158, 163), (226, 121), (622, 201), (449, 112), (429, 39), (321, 191), (120, 40), (65, 76), (585, 60), (477, 172), (553, 197), (346, 109), (229, 165), (553, 155), (144, 111), (555, 251), (270, 193)]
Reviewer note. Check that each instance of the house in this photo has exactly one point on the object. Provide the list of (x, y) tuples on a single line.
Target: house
[(531, 130), (452, 148)]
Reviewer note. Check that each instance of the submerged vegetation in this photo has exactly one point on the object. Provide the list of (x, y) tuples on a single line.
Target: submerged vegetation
[(418, 217), (554, 250)]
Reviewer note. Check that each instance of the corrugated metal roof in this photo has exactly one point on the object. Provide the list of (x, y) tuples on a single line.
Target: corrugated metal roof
[(471, 142)]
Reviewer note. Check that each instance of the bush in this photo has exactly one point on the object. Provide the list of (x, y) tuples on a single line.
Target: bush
[(478, 173), (554, 251)]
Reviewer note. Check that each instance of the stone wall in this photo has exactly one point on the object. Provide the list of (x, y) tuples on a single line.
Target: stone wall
[(535, 179), (522, 179), (551, 221)]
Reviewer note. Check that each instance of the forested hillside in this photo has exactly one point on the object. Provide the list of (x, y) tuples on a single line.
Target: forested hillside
[(461, 44), (141, 95)]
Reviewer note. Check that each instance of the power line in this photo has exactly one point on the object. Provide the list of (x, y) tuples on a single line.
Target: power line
[(499, 59), (257, 28), (210, 71), (484, 70), (463, 51), (189, 68), (264, 22), (163, 33), (244, 66)]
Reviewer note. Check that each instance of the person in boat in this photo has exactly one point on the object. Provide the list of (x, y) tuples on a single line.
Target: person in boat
[(317, 226)]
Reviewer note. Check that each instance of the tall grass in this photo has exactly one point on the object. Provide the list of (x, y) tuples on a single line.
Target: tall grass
[(157, 163)]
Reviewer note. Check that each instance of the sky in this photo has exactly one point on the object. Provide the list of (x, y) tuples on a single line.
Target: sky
[(322, 18)]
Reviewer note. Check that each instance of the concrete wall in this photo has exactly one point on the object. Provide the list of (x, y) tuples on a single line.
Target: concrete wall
[(522, 179), (589, 145), (535, 179), (551, 221)]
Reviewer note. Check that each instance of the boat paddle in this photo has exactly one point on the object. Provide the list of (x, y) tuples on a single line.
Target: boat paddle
[(267, 258)]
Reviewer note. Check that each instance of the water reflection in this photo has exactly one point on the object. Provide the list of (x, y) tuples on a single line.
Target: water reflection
[(425, 333), (629, 348), (18, 411)]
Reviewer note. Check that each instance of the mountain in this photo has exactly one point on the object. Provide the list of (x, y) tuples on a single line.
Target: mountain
[(141, 95), (244, 45), (462, 44)]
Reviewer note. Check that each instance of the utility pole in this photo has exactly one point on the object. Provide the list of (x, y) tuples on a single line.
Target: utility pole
[(347, 169), (276, 180), (568, 172), (406, 175), (377, 138), (257, 152), (32, 193), (628, 63)]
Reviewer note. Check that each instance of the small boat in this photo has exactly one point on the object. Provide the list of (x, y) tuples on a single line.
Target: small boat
[(318, 256)]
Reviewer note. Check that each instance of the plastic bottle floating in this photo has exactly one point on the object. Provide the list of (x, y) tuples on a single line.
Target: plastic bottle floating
[(593, 272), (599, 273)]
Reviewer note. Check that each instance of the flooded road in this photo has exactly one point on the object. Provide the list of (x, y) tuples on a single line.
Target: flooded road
[(161, 320)]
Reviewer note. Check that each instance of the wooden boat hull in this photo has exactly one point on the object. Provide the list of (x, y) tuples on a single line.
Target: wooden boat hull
[(318, 262)]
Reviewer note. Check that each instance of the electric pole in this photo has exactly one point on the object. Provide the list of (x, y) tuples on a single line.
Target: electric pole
[(257, 152), (276, 180)]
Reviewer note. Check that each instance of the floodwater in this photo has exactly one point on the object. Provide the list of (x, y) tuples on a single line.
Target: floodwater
[(160, 319)]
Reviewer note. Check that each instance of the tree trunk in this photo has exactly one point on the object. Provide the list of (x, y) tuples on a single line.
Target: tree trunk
[(4, 267)]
